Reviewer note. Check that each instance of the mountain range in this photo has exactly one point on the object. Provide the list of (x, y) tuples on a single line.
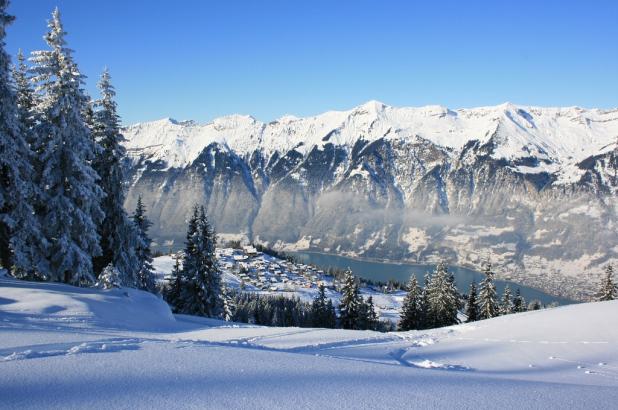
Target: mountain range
[(532, 189)]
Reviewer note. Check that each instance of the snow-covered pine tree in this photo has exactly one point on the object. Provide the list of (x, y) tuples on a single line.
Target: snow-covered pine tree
[(71, 208), (331, 315), (174, 288), (144, 278), (534, 305), (202, 278), (319, 314), (519, 304), (26, 100), (411, 315), (349, 305), (425, 318), (227, 303), (471, 304), (118, 235), (371, 316), (488, 305), (109, 278), (443, 297), (608, 291), (20, 237), (506, 304)]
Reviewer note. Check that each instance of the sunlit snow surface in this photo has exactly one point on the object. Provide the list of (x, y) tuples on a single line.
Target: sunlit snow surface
[(66, 347)]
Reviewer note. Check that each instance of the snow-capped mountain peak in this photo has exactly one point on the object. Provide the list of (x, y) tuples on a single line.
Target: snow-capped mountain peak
[(559, 138)]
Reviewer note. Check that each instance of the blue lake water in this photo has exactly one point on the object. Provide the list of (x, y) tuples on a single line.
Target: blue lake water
[(385, 271)]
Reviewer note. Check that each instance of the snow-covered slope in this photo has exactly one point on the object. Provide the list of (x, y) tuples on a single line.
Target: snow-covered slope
[(559, 358), (37, 302), (534, 187)]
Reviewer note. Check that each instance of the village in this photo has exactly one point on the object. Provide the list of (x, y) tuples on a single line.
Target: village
[(245, 268), (258, 271)]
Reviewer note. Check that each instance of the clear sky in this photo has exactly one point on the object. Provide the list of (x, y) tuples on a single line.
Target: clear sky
[(203, 59)]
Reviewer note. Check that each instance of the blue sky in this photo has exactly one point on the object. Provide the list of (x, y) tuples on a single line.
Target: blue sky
[(203, 59)]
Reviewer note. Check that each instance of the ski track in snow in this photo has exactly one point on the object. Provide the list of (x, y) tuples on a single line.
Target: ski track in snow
[(74, 339)]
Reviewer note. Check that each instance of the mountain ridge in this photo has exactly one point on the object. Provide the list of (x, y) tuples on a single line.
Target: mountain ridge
[(535, 188)]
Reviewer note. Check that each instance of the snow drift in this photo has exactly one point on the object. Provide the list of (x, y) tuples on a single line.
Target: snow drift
[(63, 347)]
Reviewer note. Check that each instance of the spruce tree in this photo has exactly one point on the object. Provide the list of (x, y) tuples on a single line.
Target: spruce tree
[(118, 235), (71, 208), (21, 246), (144, 278), (519, 304), (109, 278), (349, 305), (319, 312), (471, 304), (371, 316), (534, 305), (506, 304), (608, 291), (425, 318), (202, 278), (443, 298), (331, 315), (174, 287), (227, 302), (488, 305), (26, 101), (411, 315)]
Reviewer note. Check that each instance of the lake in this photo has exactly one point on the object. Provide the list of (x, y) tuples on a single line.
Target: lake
[(401, 272)]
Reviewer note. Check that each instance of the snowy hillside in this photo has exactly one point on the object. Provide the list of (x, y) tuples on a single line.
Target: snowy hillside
[(534, 187), (64, 347)]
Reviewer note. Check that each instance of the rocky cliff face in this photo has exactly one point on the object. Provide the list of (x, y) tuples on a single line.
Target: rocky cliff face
[(534, 189)]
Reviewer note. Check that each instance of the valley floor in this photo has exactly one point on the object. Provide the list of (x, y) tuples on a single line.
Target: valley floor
[(66, 347)]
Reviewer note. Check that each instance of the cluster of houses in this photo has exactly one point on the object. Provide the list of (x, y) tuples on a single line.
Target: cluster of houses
[(258, 271)]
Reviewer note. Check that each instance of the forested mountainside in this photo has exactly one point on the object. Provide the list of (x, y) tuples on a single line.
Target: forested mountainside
[(534, 189)]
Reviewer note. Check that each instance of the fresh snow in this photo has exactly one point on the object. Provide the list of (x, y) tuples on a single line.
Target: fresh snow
[(66, 347), (558, 137)]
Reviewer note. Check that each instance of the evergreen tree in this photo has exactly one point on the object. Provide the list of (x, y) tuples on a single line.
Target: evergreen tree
[(109, 278), (443, 298), (425, 319), (319, 308), (331, 315), (21, 244), (144, 277), (349, 305), (71, 208), (202, 288), (534, 305), (519, 304), (609, 291), (174, 288), (488, 305), (227, 302), (370, 316), (506, 305), (26, 100), (411, 315), (471, 305), (118, 236)]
